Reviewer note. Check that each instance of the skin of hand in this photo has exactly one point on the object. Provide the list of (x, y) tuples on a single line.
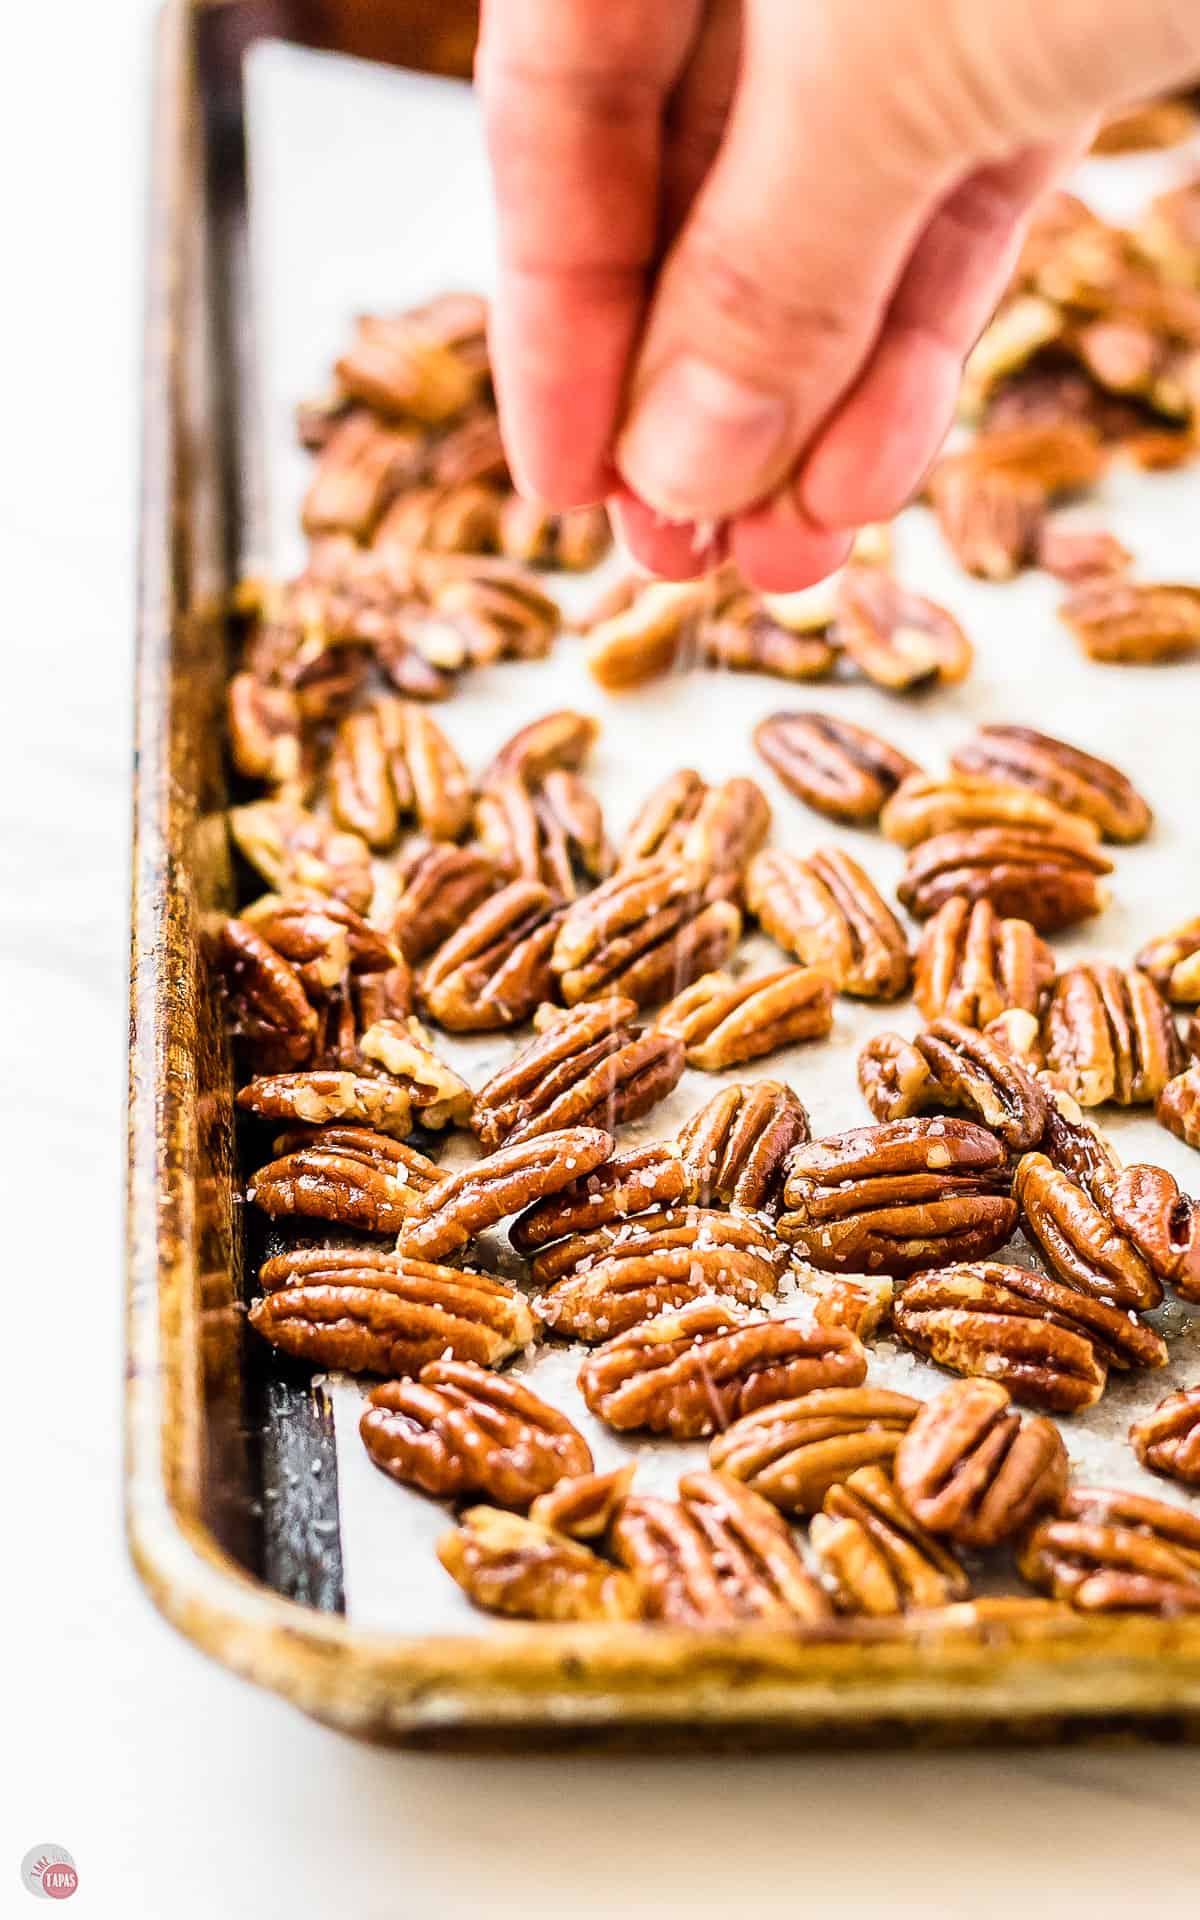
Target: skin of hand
[(746, 245)]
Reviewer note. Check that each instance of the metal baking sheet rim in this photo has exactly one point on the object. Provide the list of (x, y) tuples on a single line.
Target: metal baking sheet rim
[(900, 1680)]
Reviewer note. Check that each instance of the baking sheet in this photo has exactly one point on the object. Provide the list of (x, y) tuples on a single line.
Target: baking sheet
[(369, 191)]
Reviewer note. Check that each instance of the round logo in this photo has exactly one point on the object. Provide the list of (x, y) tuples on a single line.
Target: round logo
[(49, 1872)]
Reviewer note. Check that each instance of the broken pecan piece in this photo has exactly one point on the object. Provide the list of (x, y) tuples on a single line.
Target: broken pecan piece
[(792, 1451), (874, 1556), (526, 1568), (1178, 1109), (459, 1429), (1111, 1551), (587, 1067), (894, 1198), (585, 1506), (320, 1094), (1128, 622), (405, 1052), (716, 1556), (695, 1371), (976, 1472), (293, 848), (973, 966), (1173, 963), (894, 1078), (722, 1022), (896, 637), (496, 968), (827, 913), (605, 1283), (467, 1203), (1168, 1440), (646, 933), (1110, 1035), (436, 890), (1080, 782), (923, 806), (366, 1311), (1049, 1344), (736, 1148), (1078, 1240), (348, 1174), (1044, 878), (836, 768)]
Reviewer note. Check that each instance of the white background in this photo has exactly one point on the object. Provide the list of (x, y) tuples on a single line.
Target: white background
[(179, 1790)]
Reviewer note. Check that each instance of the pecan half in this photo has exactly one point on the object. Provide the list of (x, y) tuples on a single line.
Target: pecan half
[(265, 732), (1049, 1344), (587, 1067), (391, 762), (562, 739), (1168, 1440), (897, 1197), (415, 362), (1145, 1204), (645, 933), (467, 1203), (973, 966), (898, 638), (1080, 1243), (553, 832), (721, 1022), (1080, 782), (976, 1472), (1127, 622), (632, 1182), (1111, 1551), (585, 1506), (1109, 1035), (694, 1372), (643, 638), (366, 1311), (348, 1174), (793, 1451), (923, 806), (727, 828), (662, 819), (1044, 878), (874, 1556), (456, 517), (522, 1567), (1178, 1108), (268, 1007), (482, 610), (293, 848), (826, 912), (1173, 963), (745, 637), (320, 1094), (736, 1148), (991, 521), (496, 968), (716, 1556), (894, 1078), (574, 540), (1077, 554), (459, 1429), (324, 939), (603, 1284), (972, 1071), (836, 768), (360, 469), (436, 890)]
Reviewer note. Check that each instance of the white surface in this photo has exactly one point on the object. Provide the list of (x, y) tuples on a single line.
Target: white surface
[(179, 1790)]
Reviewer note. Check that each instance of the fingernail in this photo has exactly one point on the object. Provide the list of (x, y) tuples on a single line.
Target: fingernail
[(700, 444)]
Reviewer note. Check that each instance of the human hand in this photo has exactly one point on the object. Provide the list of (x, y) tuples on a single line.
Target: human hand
[(745, 245)]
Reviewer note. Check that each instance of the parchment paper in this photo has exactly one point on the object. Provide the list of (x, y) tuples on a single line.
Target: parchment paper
[(369, 192)]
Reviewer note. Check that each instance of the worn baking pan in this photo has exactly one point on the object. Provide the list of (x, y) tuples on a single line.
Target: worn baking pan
[(237, 1539)]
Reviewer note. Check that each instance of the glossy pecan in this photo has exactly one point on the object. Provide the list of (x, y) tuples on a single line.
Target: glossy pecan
[(363, 1001), (827, 913), (496, 968), (853, 1301), (1178, 1107), (1110, 1551), (1168, 1440), (894, 1079), (792, 1451), (268, 1007), (695, 1371), (722, 1022), (645, 933), (588, 1066), (745, 637), (629, 1183), (663, 818), (434, 892), (562, 739), (642, 638), (991, 521), (324, 939), (1080, 782), (293, 848), (1049, 1344), (601, 1284), (366, 1311), (361, 468), (874, 1556), (1110, 1035), (553, 832), (836, 768), (1173, 963), (266, 732), (717, 1556), (522, 1567), (477, 1197), (458, 516), (392, 764), (1127, 622), (973, 966), (574, 540), (974, 1073), (1146, 1205), (718, 829), (896, 637), (460, 1429), (923, 806), (405, 1052), (736, 1148), (894, 1198), (487, 609), (1079, 1241), (585, 1506), (976, 1472), (320, 1094), (1044, 878), (423, 362), (349, 1174)]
